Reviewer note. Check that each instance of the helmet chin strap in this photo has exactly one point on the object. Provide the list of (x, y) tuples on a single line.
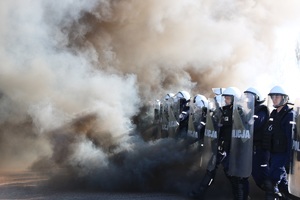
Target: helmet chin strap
[(276, 106)]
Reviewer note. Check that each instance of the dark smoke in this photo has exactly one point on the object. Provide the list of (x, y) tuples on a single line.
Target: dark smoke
[(103, 164), (77, 80)]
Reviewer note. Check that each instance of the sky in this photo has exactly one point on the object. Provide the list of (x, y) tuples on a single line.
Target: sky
[(75, 73)]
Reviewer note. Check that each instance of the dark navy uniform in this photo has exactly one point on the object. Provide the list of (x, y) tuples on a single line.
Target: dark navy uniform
[(201, 127), (278, 140), (261, 157), (183, 119), (240, 185)]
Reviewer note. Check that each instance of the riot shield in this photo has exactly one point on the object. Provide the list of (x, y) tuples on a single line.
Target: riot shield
[(294, 175), (156, 108), (191, 133), (157, 119), (174, 111), (240, 155), (195, 118), (165, 106), (210, 142)]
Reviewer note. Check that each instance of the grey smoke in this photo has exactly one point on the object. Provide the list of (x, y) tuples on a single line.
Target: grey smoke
[(77, 77)]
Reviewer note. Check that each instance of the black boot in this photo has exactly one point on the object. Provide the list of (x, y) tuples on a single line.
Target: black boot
[(273, 193), (285, 194)]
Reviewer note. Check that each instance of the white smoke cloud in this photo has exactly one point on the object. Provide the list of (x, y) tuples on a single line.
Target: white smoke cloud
[(61, 60), (87, 158), (42, 78), (218, 44)]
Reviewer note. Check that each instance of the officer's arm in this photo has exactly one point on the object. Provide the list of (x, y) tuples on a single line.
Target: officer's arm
[(288, 127), (260, 120)]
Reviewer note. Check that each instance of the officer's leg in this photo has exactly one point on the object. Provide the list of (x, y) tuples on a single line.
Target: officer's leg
[(260, 168), (204, 184), (269, 188), (273, 192), (283, 187), (281, 182), (208, 177), (240, 187), (245, 184)]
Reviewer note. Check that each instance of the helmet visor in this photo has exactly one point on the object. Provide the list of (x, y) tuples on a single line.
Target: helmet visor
[(278, 100), (227, 100)]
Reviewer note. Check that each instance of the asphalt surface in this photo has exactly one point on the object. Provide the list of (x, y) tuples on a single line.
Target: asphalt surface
[(31, 193), (31, 186)]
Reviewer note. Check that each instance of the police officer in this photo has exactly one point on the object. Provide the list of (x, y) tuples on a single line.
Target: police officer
[(222, 157), (278, 140), (164, 113), (260, 162), (240, 185), (201, 103), (184, 99), (157, 116)]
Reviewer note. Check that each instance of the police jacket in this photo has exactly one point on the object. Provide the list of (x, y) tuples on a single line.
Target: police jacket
[(183, 119), (278, 134), (200, 125), (226, 127), (262, 116)]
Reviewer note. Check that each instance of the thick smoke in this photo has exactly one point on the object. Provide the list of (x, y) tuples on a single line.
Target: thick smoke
[(77, 76)]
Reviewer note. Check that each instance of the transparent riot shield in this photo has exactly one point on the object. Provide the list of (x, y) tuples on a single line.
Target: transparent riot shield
[(210, 142), (240, 155), (191, 133), (195, 118), (165, 106), (156, 133), (294, 175), (156, 108), (174, 111)]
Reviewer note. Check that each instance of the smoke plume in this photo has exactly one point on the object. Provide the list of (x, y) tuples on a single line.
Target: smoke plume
[(77, 79)]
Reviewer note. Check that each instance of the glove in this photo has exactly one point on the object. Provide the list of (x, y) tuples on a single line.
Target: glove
[(181, 117), (251, 121), (221, 156)]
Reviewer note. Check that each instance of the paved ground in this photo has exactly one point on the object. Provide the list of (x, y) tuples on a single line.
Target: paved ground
[(30, 193), (30, 186)]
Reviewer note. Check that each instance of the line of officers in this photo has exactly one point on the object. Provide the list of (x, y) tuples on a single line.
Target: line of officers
[(239, 132)]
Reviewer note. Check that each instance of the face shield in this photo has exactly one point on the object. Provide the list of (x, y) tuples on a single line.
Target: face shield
[(250, 98), (227, 100)]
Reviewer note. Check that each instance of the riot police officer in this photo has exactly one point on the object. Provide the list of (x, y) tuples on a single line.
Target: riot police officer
[(202, 103), (184, 98), (278, 140), (164, 114), (260, 162), (223, 150), (240, 185)]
